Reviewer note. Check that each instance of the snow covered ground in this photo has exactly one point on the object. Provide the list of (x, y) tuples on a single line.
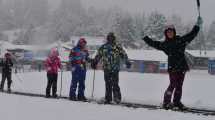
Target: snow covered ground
[(135, 87)]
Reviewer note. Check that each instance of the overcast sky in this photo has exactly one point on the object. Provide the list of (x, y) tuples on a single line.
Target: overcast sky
[(185, 8)]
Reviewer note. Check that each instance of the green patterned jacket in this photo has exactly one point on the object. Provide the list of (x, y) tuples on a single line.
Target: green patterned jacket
[(111, 56)]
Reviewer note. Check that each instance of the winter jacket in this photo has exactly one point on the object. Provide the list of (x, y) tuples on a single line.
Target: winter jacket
[(111, 55), (7, 65), (79, 56), (175, 49), (52, 64)]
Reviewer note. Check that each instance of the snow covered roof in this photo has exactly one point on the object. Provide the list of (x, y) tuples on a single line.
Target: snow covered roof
[(147, 55), (196, 53)]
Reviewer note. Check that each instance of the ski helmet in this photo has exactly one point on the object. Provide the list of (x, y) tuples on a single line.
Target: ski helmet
[(111, 37), (82, 42)]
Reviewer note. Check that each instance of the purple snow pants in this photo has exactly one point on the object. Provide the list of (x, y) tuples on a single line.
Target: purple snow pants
[(176, 83)]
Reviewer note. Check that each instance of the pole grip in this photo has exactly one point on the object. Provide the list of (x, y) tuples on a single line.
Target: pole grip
[(198, 3)]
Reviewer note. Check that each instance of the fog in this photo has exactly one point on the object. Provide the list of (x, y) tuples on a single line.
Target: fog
[(45, 21), (187, 9)]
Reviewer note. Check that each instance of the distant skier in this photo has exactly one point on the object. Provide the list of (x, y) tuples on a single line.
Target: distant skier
[(78, 57), (174, 47), (111, 55), (52, 65), (6, 65)]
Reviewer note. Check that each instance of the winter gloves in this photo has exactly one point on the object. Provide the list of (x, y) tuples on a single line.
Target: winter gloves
[(146, 38), (93, 64), (199, 21)]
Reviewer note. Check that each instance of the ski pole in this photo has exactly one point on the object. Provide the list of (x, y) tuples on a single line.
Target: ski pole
[(61, 80), (201, 41), (198, 5), (93, 87), (20, 82)]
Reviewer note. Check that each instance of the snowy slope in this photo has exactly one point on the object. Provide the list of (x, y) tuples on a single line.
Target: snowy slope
[(27, 108), (136, 87)]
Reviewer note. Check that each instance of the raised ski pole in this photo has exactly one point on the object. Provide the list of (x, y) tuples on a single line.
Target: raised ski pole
[(198, 5), (93, 87), (202, 34)]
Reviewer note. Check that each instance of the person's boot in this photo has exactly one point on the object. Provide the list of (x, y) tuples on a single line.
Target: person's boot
[(82, 98), (1, 89), (167, 106), (55, 95), (117, 100), (107, 101), (9, 85), (73, 98), (9, 90), (48, 95), (179, 106)]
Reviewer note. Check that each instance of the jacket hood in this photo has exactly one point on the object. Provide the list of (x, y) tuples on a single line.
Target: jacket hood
[(167, 28)]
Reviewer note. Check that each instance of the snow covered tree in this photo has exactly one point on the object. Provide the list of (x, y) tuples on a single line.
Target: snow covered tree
[(26, 12), (155, 25), (124, 27), (37, 11), (211, 36), (68, 18)]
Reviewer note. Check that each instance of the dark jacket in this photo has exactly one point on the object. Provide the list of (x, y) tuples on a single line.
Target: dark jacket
[(175, 49), (6, 65)]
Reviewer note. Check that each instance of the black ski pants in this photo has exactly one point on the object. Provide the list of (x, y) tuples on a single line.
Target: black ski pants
[(112, 85), (6, 75), (175, 86), (52, 83)]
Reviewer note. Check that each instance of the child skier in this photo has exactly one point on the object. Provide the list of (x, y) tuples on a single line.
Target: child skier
[(78, 57), (174, 47), (111, 54), (52, 65), (7, 65)]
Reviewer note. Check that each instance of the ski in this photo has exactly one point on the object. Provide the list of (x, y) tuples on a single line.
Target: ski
[(192, 110)]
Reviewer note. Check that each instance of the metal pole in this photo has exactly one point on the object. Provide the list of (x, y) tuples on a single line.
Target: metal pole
[(61, 80), (93, 87)]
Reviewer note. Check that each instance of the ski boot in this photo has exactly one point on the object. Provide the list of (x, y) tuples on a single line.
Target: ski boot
[(82, 98), (73, 98), (107, 101), (1, 90), (179, 106), (167, 106), (9, 90), (55, 96), (48, 95), (117, 101)]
